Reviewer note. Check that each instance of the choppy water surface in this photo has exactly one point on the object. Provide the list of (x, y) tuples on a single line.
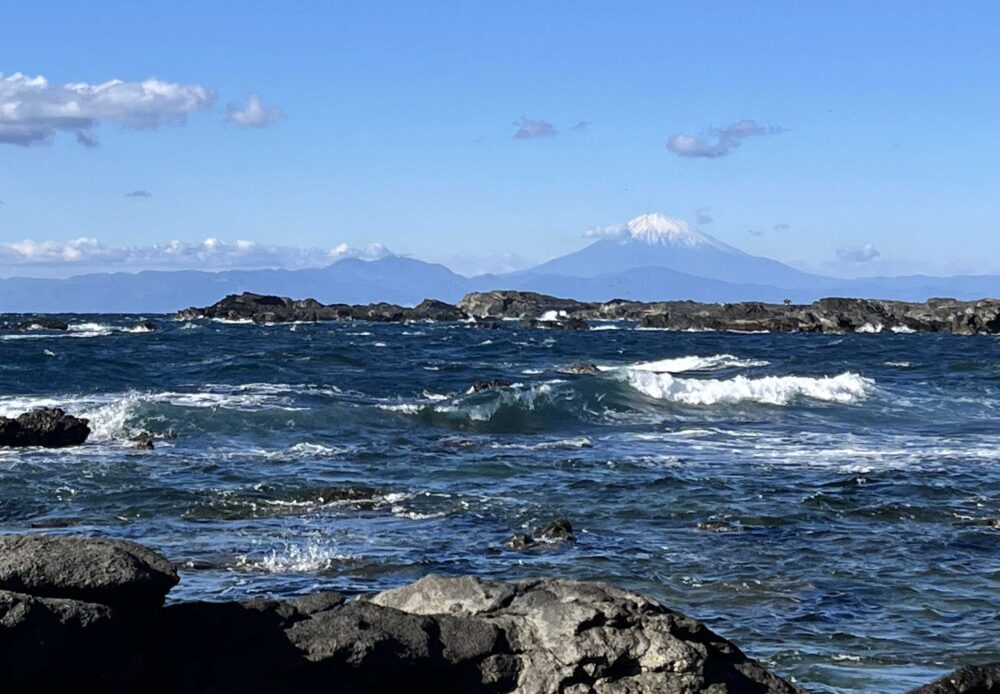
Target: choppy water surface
[(850, 484)]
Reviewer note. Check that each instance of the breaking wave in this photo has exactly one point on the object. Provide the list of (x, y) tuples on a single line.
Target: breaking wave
[(845, 388)]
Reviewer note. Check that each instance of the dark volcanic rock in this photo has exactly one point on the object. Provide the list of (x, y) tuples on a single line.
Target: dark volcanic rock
[(261, 308), (974, 679), (581, 367), (142, 441), (118, 573), (556, 532), (47, 643), (513, 304), (436, 635), (43, 323), (831, 315), (430, 309), (489, 384), (590, 637), (48, 427)]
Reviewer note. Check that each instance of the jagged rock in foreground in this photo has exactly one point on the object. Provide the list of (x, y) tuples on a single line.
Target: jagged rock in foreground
[(67, 619), (974, 679), (118, 573), (833, 315), (48, 427)]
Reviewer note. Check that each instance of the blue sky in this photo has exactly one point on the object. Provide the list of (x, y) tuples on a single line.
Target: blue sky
[(870, 136)]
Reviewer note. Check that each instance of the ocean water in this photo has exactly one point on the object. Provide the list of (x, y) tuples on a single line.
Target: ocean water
[(829, 503)]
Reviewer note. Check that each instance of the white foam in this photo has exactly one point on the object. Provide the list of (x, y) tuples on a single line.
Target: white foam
[(903, 329), (308, 557), (692, 363), (552, 315), (869, 328), (844, 388)]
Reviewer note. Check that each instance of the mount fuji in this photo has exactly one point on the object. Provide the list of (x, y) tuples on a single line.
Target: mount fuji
[(651, 258), (654, 240)]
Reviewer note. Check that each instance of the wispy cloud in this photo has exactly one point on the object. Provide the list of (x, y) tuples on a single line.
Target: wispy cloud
[(32, 111), (252, 113), (139, 194), (756, 232), (608, 231), (857, 254), (89, 254), (703, 216), (581, 125), (530, 129), (782, 227), (719, 141)]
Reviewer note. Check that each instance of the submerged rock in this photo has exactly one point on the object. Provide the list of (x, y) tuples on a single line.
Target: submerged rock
[(557, 531), (47, 427), (581, 368), (142, 441), (489, 384), (973, 679)]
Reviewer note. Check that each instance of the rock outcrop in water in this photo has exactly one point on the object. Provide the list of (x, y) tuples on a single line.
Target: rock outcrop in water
[(833, 315), (84, 613), (47, 427)]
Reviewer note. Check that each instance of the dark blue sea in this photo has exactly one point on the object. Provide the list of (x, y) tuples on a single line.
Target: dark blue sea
[(830, 503)]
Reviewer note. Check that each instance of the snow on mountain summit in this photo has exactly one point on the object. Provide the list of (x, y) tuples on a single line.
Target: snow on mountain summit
[(661, 230)]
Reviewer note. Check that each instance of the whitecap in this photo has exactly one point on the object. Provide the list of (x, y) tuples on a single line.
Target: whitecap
[(869, 328), (843, 388), (691, 363)]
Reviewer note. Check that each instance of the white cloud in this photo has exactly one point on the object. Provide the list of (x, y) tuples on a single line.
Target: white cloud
[(721, 142), (32, 111), (90, 255), (530, 129), (858, 254), (610, 231), (139, 194), (253, 113)]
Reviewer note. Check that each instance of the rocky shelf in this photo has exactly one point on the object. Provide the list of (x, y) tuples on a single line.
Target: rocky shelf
[(833, 315), (88, 613)]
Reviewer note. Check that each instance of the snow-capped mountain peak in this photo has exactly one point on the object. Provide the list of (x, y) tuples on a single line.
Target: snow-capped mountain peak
[(661, 230)]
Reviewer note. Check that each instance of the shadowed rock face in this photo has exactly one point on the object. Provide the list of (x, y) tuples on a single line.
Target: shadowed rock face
[(48, 427), (833, 315)]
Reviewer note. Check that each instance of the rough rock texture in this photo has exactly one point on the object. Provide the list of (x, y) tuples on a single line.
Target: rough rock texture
[(510, 304), (974, 679), (581, 637), (833, 315), (118, 573), (70, 617), (45, 642), (48, 427)]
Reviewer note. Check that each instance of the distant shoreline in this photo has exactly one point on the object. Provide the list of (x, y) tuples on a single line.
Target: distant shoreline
[(831, 315)]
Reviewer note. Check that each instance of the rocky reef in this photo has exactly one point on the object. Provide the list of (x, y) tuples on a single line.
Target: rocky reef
[(89, 613), (48, 427), (833, 315)]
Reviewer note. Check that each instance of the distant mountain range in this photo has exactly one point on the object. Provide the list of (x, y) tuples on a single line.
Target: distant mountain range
[(651, 258)]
